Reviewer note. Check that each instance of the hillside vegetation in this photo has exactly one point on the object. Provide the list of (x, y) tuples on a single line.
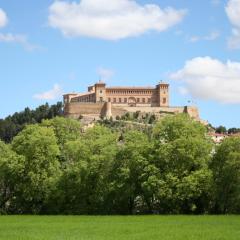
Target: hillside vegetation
[(12, 125)]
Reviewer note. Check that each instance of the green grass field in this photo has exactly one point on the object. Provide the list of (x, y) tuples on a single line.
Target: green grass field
[(136, 227)]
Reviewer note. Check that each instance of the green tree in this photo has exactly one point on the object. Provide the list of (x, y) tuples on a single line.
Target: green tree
[(12, 125), (129, 174), (226, 175), (233, 130), (182, 155), (11, 168), (221, 129), (84, 185), (39, 147), (65, 129)]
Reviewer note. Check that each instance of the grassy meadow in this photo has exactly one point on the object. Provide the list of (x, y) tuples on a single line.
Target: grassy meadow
[(119, 227)]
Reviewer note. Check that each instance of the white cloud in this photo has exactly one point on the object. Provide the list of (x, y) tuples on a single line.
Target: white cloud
[(182, 90), (18, 38), (105, 73), (111, 19), (215, 2), (194, 39), (210, 79), (233, 13), (234, 40), (210, 37), (14, 38), (52, 94), (3, 18)]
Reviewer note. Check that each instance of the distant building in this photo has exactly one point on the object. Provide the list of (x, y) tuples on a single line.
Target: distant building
[(104, 101), (217, 137), (127, 96)]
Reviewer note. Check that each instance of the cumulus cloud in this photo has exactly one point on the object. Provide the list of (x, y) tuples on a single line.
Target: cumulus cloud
[(210, 79), (111, 19), (52, 94), (105, 73), (233, 13), (3, 18)]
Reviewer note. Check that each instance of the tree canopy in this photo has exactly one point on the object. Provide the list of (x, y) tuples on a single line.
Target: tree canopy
[(53, 167), (12, 125)]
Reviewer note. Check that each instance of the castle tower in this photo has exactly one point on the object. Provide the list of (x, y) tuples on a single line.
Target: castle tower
[(163, 94), (108, 109), (100, 91)]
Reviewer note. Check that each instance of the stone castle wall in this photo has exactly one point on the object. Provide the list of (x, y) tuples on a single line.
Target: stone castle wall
[(78, 109), (75, 110)]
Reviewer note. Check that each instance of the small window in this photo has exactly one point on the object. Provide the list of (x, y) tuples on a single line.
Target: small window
[(149, 100), (143, 100), (120, 100), (125, 100), (164, 100), (114, 100), (109, 99), (138, 100), (100, 91)]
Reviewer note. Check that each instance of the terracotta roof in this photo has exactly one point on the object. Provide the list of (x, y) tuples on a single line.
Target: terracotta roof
[(218, 134)]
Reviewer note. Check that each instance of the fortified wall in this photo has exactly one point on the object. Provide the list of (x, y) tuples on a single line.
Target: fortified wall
[(77, 110), (101, 101)]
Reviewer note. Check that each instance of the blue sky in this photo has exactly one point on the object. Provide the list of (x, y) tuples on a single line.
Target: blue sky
[(52, 47)]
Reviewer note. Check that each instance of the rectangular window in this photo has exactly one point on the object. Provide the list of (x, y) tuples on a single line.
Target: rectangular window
[(143, 100), (164, 100), (138, 100), (149, 100), (114, 100), (109, 99), (120, 100), (125, 100)]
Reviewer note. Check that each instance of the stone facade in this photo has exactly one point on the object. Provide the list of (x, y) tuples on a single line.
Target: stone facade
[(116, 101), (123, 96)]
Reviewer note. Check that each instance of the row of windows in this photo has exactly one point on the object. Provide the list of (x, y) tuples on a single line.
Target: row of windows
[(88, 98), (129, 92), (125, 100)]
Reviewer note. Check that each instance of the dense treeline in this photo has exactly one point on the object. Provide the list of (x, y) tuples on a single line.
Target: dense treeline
[(12, 125), (224, 130), (55, 168)]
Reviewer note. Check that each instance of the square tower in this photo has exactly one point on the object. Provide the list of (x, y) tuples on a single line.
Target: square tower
[(100, 92), (163, 94)]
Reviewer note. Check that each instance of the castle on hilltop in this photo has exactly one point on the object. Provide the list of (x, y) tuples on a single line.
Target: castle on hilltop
[(103, 101)]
